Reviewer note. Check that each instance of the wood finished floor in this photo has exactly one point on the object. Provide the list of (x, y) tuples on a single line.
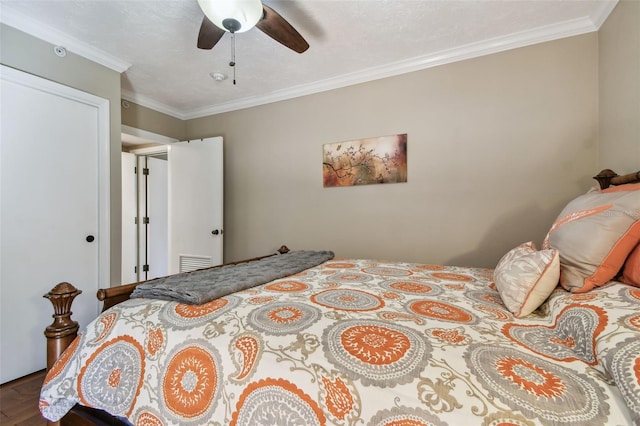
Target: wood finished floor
[(19, 401)]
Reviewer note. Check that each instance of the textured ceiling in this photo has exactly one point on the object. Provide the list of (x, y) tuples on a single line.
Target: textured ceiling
[(154, 43)]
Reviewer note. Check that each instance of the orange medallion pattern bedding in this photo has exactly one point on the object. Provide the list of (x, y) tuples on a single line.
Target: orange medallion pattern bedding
[(359, 342)]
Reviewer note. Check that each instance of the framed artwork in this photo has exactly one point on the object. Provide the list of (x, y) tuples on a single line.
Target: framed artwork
[(365, 161)]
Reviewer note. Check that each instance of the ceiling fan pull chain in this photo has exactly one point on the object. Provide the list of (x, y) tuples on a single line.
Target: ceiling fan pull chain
[(232, 64)]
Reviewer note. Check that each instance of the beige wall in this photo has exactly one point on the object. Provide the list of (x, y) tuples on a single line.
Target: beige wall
[(619, 50), (24, 52), (147, 119), (496, 146)]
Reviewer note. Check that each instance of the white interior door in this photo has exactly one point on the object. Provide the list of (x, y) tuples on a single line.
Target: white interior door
[(195, 204), (156, 209), (54, 196), (145, 227), (129, 219)]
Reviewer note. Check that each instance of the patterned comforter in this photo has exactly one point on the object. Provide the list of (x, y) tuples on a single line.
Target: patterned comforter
[(357, 342)]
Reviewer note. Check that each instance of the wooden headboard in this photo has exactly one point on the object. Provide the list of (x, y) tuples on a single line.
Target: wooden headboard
[(608, 177)]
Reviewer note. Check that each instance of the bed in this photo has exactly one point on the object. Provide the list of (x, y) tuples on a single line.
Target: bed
[(371, 342)]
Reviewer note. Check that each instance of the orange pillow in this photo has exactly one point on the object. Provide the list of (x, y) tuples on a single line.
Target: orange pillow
[(631, 270), (595, 234)]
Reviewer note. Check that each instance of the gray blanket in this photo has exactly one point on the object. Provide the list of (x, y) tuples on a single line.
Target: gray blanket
[(205, 285)]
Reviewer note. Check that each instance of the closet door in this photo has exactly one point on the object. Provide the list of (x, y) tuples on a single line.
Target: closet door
[(54, 204)]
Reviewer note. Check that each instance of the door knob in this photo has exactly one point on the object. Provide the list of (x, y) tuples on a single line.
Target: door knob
[(90, 238), (215, 232)]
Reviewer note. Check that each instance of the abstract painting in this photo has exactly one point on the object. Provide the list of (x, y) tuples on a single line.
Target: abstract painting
[(365, 161)]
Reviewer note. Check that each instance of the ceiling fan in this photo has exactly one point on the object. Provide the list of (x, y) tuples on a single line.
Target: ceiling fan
[(236, 16)]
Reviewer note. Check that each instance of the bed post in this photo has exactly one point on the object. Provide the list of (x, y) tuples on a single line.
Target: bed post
[(63, 330), (608, 177)]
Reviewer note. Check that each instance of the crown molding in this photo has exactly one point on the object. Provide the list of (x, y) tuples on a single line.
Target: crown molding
[(148, 102), (26, 24), (11, 17), (473, 50), (600, 15)]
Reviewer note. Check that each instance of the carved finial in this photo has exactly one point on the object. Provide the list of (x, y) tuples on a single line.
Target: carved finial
[(608, 177), (283, 249), (604, 178), (62, 289), (61, 296)]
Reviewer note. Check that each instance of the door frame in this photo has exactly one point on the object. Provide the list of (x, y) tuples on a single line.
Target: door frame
[(98, 130), (159, 145)]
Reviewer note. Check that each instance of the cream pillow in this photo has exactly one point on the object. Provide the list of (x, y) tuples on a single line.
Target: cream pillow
[(594, 235), (525, 278)]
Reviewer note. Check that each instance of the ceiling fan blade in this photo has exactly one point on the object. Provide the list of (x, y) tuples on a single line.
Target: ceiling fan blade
[(209, 34), (276, 27)]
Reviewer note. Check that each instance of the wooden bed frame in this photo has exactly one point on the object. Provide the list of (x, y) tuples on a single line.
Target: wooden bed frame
[(63, 330), (608, 177)]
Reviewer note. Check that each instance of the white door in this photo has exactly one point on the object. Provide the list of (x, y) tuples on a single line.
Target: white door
[(145, 227), (54, 203), (129, 219), (195, 204), (154, 244)]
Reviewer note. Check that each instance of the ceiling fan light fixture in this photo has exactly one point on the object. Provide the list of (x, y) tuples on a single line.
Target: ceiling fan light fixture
[(234, 16)]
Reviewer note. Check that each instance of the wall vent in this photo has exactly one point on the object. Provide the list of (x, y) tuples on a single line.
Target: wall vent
[(191, 263)]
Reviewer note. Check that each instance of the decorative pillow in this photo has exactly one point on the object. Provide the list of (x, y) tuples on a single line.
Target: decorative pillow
[(594, 235), (525, 278), (631, 270)]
